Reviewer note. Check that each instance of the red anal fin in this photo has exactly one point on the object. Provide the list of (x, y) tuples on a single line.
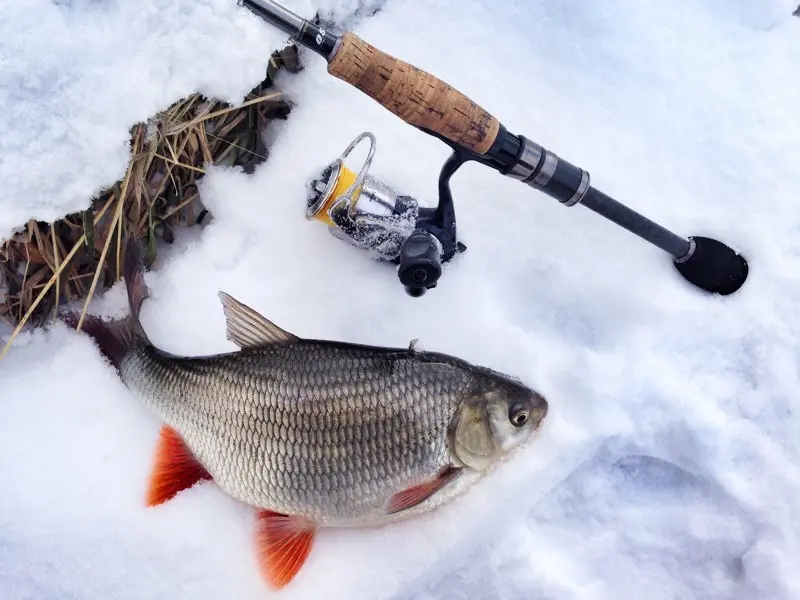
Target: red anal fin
[(175, 468), (419, 493), (284, 542)]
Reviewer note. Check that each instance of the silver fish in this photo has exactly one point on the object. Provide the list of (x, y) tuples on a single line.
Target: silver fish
[(314, 433)]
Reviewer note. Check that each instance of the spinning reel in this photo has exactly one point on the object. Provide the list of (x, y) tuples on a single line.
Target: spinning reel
[(367, 213)]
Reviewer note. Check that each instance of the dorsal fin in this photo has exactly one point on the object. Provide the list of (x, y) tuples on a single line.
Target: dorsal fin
[(248, 329)]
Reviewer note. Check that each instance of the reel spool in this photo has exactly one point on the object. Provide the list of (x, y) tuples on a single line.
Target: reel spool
[(368, 213)]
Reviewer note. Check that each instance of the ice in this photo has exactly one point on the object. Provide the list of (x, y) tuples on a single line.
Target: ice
[(667, 466)]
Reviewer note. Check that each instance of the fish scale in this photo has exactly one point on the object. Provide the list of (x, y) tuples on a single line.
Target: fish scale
[(285, 427)]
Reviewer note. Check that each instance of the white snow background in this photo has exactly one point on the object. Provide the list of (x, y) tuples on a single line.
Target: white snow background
[(667, 466)]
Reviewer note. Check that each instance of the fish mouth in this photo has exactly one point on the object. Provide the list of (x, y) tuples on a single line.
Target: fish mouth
[(540, 409)]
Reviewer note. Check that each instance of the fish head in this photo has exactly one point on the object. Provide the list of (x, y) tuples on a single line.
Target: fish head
[(498, 416)]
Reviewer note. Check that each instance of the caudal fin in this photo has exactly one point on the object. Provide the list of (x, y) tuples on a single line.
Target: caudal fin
[(116, 338), (133, 271)]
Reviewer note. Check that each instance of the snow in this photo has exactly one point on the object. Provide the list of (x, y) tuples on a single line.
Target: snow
[(667, 466), (78, 74)]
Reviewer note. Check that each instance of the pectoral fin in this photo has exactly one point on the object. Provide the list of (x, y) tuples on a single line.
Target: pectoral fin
[(419, 493), (283, 542)]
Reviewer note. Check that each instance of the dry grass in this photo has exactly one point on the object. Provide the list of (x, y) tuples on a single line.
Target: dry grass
[(76, 257)]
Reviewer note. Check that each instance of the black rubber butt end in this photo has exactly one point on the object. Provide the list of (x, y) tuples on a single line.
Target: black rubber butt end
[(714, 267)]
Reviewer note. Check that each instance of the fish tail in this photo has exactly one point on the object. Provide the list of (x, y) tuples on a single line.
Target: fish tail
[(133, 271), (117, 337)]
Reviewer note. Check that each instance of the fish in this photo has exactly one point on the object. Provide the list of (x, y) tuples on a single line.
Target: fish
[(312, 433)]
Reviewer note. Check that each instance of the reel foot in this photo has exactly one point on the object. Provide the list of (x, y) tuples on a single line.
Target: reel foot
[(713, 266)]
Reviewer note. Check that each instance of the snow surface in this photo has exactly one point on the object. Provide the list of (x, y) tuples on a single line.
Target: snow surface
[(78, 74), (667, 467)]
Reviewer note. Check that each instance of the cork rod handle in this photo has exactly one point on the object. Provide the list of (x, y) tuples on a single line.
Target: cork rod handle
[(414, 95)]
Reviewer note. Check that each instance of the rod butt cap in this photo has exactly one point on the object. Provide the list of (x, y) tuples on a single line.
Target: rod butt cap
[(713, 267)]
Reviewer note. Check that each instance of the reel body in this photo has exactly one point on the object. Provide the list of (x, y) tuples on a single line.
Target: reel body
[(366, 212)]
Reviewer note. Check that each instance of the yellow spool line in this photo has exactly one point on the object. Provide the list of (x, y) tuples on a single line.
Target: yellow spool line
[(345, 179)]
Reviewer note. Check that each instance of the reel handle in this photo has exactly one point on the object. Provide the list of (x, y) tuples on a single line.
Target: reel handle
[(414, 95)]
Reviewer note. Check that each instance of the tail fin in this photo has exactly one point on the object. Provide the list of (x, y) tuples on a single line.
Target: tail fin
[(116, 338), (133, 272)]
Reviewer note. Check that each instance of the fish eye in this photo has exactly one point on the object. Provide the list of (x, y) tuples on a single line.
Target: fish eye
[(518, 414)]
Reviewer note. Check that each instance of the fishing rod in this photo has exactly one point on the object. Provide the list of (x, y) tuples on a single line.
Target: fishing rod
[(364, 211)]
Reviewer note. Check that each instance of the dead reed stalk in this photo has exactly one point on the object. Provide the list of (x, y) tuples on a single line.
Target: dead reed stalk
[(78, 256)]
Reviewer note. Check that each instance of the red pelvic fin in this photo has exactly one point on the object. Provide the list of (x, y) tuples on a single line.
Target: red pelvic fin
[(283, 544)]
